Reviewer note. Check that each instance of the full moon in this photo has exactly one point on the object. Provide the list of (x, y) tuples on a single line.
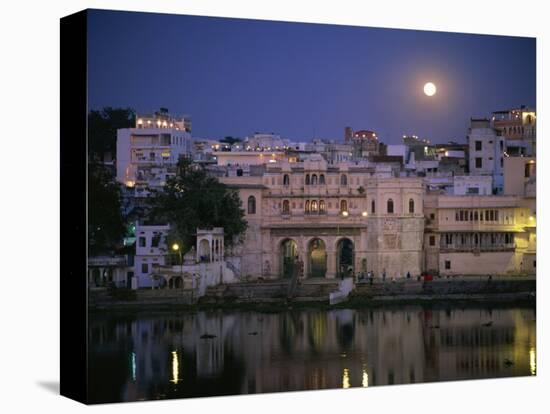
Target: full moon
[(430, 89)]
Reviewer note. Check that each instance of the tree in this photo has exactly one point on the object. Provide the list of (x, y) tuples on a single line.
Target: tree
[(193, 199), (106, 226), (102, 129), (230, 140)]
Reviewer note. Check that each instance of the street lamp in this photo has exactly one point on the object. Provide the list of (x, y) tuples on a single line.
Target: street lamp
[(176, 248)]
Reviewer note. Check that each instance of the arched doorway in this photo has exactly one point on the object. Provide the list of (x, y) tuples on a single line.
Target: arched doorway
[(317, 254), (289, 255), (204, 250), (344, 257)]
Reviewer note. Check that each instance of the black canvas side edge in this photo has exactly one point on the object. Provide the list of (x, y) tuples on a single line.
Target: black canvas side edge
[(73, 179)]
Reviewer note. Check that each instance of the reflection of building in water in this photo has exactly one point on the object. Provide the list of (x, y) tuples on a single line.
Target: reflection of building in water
[(249, 352), (474, 343)]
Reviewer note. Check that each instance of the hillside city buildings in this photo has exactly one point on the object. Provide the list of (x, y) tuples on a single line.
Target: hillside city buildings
[(348, 206)]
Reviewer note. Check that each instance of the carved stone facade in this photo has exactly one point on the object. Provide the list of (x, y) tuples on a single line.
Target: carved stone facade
[(337, 219)]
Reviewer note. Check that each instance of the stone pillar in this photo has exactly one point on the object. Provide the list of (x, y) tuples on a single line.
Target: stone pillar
[(331, 262), (211, 244)]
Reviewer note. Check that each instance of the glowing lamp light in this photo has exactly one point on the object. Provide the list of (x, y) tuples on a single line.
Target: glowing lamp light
[(345, 213), (364, 214), (175, 247)]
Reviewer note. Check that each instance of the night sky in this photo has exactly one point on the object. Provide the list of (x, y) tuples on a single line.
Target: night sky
[(236, 76)]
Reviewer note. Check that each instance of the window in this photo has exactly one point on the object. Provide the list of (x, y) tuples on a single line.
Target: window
[(307, 179), (478, 145), (286, 207), (314, 206), (144, 268), (472, 190), (432, 240), (501, 145), (373, 207), (411, 206), (314, 179), (251, 205), (447, 264), (479, 162), (307, 207), (322, 206), (390, 206), (286, 180), (527, 171), (343, 205), (322, 179), (432, 216), (142, 241), (155, 241), (343, 179)]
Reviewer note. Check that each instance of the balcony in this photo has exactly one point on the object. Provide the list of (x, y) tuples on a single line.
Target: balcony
[(478, 249)]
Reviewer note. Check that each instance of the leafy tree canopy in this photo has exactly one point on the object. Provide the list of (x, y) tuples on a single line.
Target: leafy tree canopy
[(106, 226), (230, 140), (102, 129), (193, 199)]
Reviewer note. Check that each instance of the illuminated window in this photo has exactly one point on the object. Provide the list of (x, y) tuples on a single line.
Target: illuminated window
[(286, 207), (343, 205), (307, 207), (314, 206), (322, 206)]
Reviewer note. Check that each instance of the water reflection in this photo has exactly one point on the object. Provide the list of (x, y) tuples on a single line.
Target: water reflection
[(220, 353)]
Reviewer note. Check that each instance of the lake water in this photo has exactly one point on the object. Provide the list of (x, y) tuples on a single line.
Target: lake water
[(179, 355)]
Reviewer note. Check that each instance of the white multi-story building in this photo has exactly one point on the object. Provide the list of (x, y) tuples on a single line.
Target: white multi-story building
[(151, 249), (147, 154), (472, 184), (270, 142), (487, 147)]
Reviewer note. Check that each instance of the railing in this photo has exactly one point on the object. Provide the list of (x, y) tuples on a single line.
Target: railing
[(474, 249), (107, 261)]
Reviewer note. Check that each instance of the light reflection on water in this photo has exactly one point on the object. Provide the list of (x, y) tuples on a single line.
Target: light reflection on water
[(163, 356)]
